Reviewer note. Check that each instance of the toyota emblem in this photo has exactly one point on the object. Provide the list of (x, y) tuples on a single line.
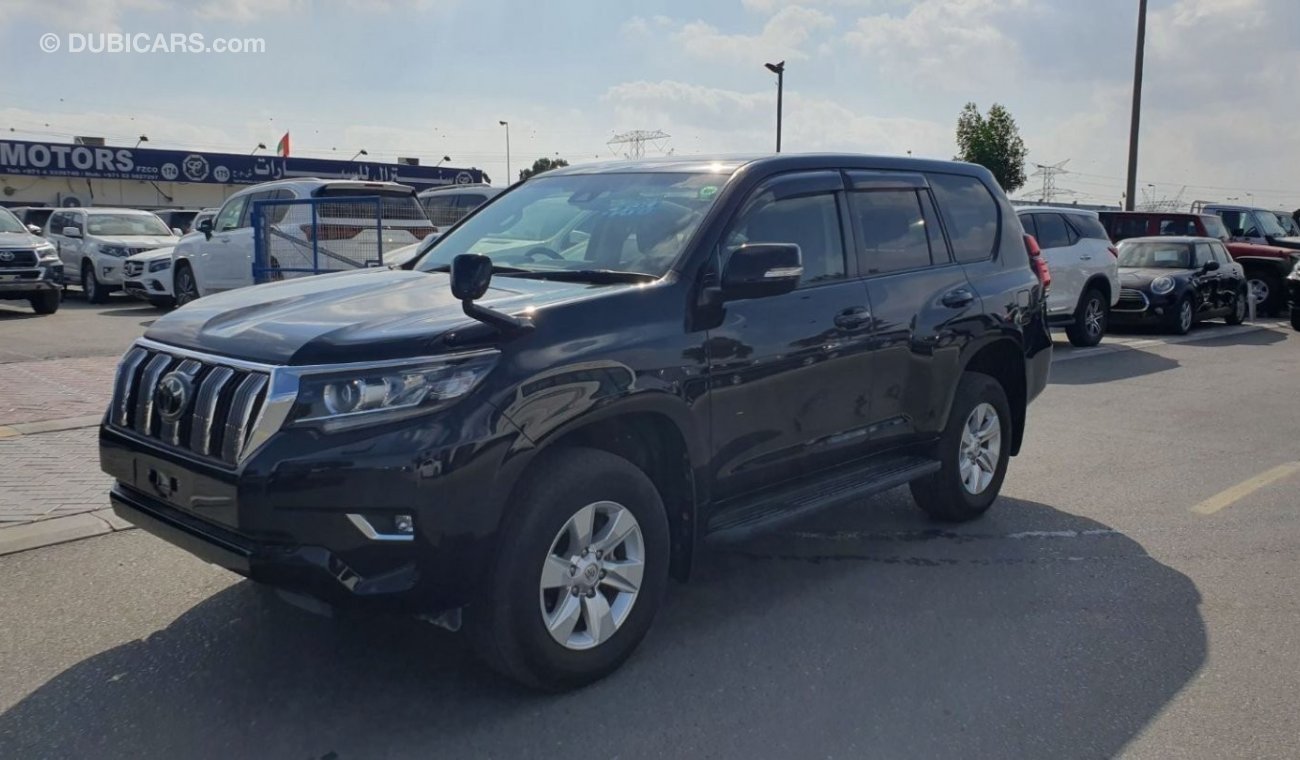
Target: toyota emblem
[(6, 255), (172, 397)]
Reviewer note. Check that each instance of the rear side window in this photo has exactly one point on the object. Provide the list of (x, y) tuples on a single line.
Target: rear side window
[(442, 209), (1087, 227), (1122, 227), (1052, 232), (970, 213), (1214, 226), (1179, 227), (892, 230)]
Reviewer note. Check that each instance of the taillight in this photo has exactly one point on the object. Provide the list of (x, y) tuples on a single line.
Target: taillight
[(1113, 251), (1037, 262), (330, 231)]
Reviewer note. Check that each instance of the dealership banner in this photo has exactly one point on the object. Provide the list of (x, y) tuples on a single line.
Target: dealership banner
[(41, 159)]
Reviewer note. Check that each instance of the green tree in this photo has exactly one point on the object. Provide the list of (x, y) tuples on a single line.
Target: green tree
[(992, 141), (542, 165)]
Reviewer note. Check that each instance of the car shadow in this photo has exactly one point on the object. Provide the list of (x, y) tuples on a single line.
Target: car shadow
[(1124, 364), (861, 632), (17, 310), (1251, 338)]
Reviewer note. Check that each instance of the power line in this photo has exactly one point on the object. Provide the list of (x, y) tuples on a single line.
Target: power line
[(636, 141)]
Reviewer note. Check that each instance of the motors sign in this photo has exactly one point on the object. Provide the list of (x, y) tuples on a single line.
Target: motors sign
[(38, 159)]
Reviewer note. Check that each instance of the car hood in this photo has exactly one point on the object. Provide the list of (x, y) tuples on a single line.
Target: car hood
[(157, 253), (347, 317), (135, 241), (20, 240), (1137, 276)]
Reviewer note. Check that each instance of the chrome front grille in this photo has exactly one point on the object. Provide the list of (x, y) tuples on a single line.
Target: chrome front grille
[(1131, 300), (216, 418), (133, 268)]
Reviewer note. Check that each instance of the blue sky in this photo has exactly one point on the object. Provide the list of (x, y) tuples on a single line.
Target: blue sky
[(433, 77)]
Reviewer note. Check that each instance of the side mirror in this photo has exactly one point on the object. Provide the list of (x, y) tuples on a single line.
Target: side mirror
[(471, 274), (759, 270), (205, 227), (1210, 266), (35, 230), (72, 232), (177, 231)]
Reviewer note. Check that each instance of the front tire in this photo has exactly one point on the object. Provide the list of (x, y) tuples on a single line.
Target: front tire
[(973, 452), (1183, 318), (1266, 290), (1239, 302), (1090, 320), (91, 286), (185, 286), (46, 302), (581, 570)]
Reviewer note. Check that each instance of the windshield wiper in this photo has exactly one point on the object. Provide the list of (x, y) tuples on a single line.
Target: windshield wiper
[(496, 269), (599, 276)]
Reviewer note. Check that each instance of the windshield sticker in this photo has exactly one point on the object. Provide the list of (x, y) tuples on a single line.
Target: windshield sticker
[(707, 192)]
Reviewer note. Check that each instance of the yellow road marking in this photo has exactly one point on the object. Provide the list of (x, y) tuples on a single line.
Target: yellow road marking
[(1245, 488), (8, 432)]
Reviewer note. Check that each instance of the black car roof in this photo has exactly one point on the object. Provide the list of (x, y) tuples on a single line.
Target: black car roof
[(730, 164)]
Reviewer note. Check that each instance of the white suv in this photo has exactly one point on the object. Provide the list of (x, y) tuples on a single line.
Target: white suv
[(218, 255), (1084, 266), (94, 243)]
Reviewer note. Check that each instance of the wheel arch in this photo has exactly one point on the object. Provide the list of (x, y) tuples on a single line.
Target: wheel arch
[(1100, 282), (1003, 359), (658, 436)]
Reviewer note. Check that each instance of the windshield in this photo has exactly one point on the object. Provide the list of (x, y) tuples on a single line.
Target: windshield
[(125, 224), (620, 222), (1287, 224), (1155, 255), (1268, 224), (9, 222)]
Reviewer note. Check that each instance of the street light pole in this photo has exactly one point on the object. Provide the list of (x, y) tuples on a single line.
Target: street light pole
[(1137, 106), (779, 70), (509, 176)]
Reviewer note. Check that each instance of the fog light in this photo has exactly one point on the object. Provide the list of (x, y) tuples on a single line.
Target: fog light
[(1160, 310), (404, 524)]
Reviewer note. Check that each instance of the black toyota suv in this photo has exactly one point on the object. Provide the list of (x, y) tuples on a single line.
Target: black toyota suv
[(537, 424)]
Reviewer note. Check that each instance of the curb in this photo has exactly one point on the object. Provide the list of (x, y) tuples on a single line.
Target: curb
[(60, 530), (1113, 348), (50, 426)]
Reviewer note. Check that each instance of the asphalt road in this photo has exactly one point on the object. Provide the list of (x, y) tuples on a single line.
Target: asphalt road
[(1093, 612), (77, 329)]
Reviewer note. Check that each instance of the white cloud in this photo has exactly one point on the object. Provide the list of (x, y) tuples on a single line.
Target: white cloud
[(783, 37), (76, 15), (949, 43)]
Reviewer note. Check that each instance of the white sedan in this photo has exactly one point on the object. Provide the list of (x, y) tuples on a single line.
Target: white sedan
[(148, 276)]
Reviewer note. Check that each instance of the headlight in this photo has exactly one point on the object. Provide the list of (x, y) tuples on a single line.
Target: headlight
[(113, 250), (1162, 285), (159, 265), (47, 252), (337, 400)]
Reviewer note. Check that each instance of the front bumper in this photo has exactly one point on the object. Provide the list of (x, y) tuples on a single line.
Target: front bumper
[(147, 288), (20, 283), (1149, 310), (284, 515)]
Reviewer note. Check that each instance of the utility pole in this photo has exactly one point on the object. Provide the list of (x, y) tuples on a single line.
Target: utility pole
[(1130, 197), (779, 70), (510, 178)]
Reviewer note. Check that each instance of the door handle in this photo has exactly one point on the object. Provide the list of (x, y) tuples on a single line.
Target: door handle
[(852, 319), (957, 299), (1085, 258)]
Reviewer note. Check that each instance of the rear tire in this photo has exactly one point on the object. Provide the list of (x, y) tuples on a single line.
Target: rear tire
[(46, 302), (91, 286), (519, 626), (1090, 320), (949, 494), (1295, 318)]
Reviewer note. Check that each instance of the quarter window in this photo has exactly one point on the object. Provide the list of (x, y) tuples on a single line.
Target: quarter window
[(1052, 232), (1088, 227), (811, 222), (892, 229), (970, 213)]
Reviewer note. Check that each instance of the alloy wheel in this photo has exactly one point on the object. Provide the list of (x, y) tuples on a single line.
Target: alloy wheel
[(1185, 316), (591, 576), (1092, 318), (186, 291), (89, 285), (1259, 291), (981, 448)]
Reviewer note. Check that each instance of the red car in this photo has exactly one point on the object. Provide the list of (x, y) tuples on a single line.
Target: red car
[(1267, 266)]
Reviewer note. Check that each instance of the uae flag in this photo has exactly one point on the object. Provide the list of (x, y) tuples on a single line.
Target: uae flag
[(282, 147)]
